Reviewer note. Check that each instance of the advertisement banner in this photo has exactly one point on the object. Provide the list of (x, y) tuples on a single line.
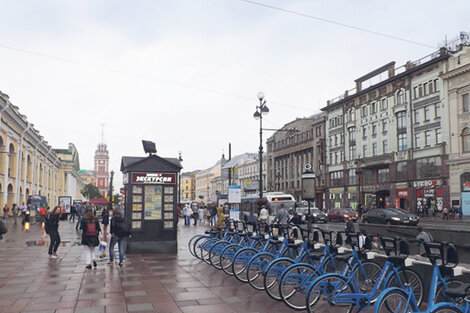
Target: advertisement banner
[(65, 202), (466, 203), (154, 178)]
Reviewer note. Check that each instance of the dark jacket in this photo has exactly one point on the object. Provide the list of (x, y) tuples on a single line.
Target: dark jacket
[(90, 240), (115, 229), (52, 222), (105, 216)]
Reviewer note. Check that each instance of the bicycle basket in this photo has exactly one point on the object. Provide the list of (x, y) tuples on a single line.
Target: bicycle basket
[(250, 228), (339, 240), (435, 252), (452, 257), (262, 229), (231, 225), (240, 226), (275, 231), (313, 237)]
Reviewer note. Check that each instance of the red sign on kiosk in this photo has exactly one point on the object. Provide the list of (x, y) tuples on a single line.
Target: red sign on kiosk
[(153, 178)]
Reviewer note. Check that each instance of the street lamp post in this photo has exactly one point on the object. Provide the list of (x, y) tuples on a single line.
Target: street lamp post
[(308, 187), (359, 173), (110, 194), (261, 110)]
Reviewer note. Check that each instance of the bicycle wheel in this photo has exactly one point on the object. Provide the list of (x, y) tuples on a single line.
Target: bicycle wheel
[(227, 257), (191, 244), (215, 253), (205, 248), (322, 295), (198, 245), (240, 261), (334, 266), (441, 295), (393, 301), (447, 309), (294, 283), (367, 273), (272, 276), (413, 279), (256, 269)]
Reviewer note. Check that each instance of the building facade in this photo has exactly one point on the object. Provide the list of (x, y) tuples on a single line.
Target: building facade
[(100, 175), (247, 175), (28, 164), (386, 143), (457, 84), (297, 146), (188, 187), (205, 191), (69, 167)]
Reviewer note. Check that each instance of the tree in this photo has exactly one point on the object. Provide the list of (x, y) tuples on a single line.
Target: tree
[(90, 191)]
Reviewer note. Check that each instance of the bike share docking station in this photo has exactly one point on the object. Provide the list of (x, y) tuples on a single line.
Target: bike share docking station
[(151, 193)]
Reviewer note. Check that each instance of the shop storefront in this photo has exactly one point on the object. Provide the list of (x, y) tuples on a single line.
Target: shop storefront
[(151, 188), (465, 193), (336, 197), (429, 195)]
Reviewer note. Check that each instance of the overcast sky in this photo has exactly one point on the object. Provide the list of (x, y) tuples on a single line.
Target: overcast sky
[(185, 73)]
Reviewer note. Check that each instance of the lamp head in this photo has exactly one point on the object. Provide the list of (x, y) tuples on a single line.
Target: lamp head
[(264, 110), (257, 115), (260, 95)]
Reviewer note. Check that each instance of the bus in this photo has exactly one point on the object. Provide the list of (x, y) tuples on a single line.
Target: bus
[(276, 199)]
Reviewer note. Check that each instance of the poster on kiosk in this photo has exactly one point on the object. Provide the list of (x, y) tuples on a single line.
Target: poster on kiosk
[(151, 189)]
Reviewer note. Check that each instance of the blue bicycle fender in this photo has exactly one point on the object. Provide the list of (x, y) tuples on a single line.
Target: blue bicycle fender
[(324, 276), (442, 304)]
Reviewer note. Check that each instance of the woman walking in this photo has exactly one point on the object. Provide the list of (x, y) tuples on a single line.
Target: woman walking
[(90, 227), (51, 226), (119, 232), (105, 222)]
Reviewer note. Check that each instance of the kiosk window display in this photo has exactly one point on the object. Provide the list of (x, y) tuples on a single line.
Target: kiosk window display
[(151, 185)]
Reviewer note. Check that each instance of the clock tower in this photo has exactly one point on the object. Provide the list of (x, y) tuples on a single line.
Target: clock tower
[(102, 168)]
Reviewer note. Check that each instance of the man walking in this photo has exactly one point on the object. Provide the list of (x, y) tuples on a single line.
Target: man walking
[(15, 211), (23, 209), (282, 216), (6, 212)]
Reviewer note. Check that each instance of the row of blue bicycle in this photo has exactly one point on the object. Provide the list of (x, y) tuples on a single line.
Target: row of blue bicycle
[(304, 268)]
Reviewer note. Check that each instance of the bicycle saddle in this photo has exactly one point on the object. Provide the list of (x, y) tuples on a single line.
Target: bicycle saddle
[(459, 291)]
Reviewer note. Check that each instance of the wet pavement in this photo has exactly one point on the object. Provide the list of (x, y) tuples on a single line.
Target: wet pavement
[(31, 282)]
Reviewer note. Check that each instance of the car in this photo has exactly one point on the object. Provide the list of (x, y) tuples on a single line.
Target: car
[(340, 215), (390, 216), (316, 214)]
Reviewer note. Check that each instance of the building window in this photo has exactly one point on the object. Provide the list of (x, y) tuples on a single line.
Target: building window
[(368, 176), (431, 87), (384, 126), (352, 137), (402, 144), (436, 85), (336, 178), (364, 151), (425, 89), (352, 152), (352, 115), (428, 167), (385, 146), (373, 108), (466, 139), (437, 111), (374, 129), (400, 97), (438, 136), (374, 149), (364, 111), (383, 175), (417, 117), (427, 114), (383, 105), (352, 176), (415, 92), (417, 140), (427, 138), (402, 169), (364, 131), (465, 103), (401, 120)]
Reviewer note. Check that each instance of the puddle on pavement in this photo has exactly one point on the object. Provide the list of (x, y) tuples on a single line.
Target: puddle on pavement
[(63, 243)]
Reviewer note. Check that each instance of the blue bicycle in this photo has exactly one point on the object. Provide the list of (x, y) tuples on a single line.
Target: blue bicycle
[(360, 289), (446, 294)]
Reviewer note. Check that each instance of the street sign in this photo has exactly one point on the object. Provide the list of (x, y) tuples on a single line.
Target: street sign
[(234, 194)]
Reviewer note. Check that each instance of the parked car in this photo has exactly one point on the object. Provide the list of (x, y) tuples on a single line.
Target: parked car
[(339, 215), (317, 215), (390, 217)]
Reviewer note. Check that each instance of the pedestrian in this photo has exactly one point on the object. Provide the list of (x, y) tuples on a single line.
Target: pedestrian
[(73, 213), (3, 229), (213, 210), (119, 232), (23, 209), (90, 227), (200, 214), (460, 211), (179, 213), (207, 216), (220, 218), (105, 222), (42, 215), (282, 216), (187, 215), (424, 237), (263, 215), (80, 214), (52, 229), (15, 211), (296, 220), (349, 228), (195, 215), (445, 213), (6, 213)]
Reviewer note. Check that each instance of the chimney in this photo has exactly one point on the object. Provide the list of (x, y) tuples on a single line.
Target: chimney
[(358, 85), (391, 71)]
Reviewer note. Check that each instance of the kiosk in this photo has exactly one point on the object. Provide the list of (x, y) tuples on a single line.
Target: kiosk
[(151, 187)]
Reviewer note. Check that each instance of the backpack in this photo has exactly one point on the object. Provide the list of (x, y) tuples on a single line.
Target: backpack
[(91, 229), (3, 228)]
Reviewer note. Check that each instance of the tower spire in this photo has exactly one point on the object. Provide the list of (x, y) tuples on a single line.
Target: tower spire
[(102, 132)]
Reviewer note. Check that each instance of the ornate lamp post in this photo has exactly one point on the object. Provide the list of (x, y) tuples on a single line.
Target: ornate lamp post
[(308, 186), (261, 110)]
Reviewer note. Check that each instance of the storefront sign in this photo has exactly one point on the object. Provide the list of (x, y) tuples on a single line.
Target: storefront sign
[(154, 178), (403, 194), (234, 194), (427, 183)]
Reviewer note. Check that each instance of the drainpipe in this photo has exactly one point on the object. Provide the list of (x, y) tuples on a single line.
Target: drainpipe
[(18, 167)]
